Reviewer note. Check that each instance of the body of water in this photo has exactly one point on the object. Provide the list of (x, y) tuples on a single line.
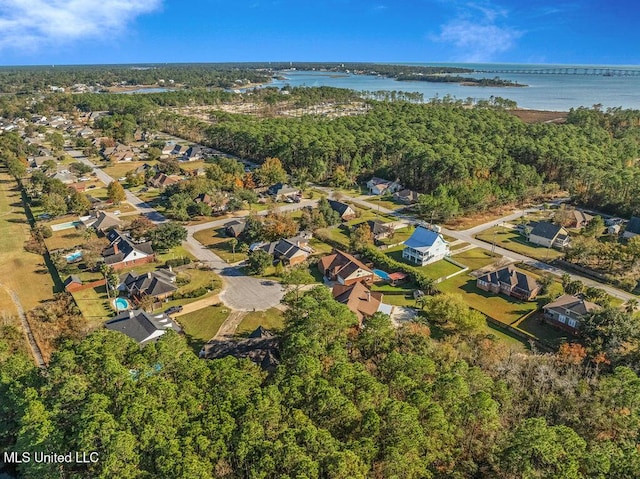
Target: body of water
[(548, 91)]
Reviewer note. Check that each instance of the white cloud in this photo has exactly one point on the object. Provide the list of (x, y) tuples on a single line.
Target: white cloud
[(478, 34), (33, 24)]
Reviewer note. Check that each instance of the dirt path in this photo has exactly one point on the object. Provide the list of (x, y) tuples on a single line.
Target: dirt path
[(35, 349), (228, 328), (196, 305)]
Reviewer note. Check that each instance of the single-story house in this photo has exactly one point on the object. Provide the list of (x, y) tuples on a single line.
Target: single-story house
[(579, 219), (281, 191), (289, 251), (123, 252), (380, 186), (408, 197), (141, 326), (379, 230), (511, 282), (72, 283), (425, 246), (397, 277), (102, 221), (567, 312), (549, 235), (159, 284), (345, 269), (234, 227), (65, 176), (160, 180), (632, 229), (345, 211), (361, 300)]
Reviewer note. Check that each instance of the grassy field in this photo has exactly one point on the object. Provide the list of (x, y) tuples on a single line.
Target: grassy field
[(399, 236), (401, 295), (217, 241), (203, 324), (511, 240), (476, 258), (270, 319), (23, 272)]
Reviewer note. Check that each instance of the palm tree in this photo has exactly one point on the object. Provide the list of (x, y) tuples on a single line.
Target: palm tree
[(233, 243)]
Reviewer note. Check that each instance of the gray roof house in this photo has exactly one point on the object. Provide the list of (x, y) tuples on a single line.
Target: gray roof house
[(124, 252), (345, 211), (141, 326), (511, 282), (234, 227), (567, 312), (548, 234), (103, 221), (632, 229), (407, 197), (290, 251), (158, 284)]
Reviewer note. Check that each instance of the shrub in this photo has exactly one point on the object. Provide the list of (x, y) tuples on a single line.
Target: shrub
[(177, 262)]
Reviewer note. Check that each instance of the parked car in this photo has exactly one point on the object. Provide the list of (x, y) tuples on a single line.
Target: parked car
[(173, 309)]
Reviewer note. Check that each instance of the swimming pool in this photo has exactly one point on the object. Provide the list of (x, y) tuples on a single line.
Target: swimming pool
[(382, 274), (76, 255), (121, 304), (65, 226)]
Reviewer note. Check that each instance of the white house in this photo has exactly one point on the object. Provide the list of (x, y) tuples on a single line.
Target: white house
[(424, 247)]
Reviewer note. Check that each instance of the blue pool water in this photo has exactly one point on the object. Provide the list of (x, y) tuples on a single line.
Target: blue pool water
[(382, 274), (65, 226), (121, 304), (73, 256)]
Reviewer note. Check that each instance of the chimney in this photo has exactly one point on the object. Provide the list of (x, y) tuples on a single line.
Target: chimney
[(368, 295), (115, 248), (149, 275), (131, 314)]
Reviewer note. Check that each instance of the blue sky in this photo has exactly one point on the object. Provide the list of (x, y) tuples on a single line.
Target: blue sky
[(137, 31)]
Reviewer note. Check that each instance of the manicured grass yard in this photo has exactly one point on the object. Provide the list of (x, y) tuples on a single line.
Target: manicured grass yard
[(386, 202), (401, 295), (434, 270), (217, 241), (94, 305), (500, 307), (476, 258), (511, 240), (203, 324), (270, 319)]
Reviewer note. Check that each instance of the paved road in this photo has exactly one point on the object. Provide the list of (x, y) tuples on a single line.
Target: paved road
[(240, 292), (141, 206), (468, 235)]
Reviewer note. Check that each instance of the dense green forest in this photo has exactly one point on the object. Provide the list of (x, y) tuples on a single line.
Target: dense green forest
[(383, 403), (474, 157)]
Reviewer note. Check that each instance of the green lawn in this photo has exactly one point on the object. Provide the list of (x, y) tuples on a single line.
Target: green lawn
[(434, 270), (218, 243), (509, 239), (476, 258), (500, 307), (401, 295), (94, 305), (399, 236), (270, 319), (386, 202), (544, 331), (203, 324)]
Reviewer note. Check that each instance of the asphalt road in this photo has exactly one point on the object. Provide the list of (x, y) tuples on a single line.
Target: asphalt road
[(140, 206)]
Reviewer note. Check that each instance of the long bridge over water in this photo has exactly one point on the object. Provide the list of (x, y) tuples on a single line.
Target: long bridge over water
[(607, 72)]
